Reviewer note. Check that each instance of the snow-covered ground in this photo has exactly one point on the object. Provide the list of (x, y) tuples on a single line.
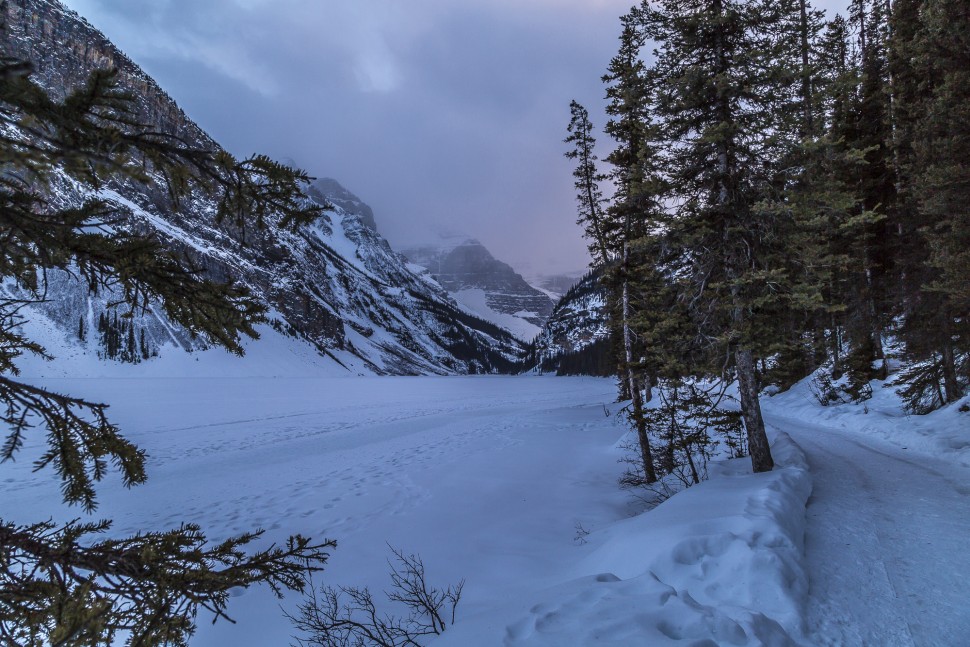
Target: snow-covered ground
[(489, 479), (888, 520), (456, 469), (498, 480)]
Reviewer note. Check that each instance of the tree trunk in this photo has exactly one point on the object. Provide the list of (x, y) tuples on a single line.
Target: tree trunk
[(836, 350), (590, 182), (638, 420), (950, 383), (646, 456), (761, 460), (875, 326)]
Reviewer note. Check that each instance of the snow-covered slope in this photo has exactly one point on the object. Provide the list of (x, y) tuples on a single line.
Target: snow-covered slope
[(484, 285), (575, 339), (336, 285), (555, 285), (332, 191)]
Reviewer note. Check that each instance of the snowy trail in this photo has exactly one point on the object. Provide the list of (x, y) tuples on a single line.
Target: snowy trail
[(886, 542)]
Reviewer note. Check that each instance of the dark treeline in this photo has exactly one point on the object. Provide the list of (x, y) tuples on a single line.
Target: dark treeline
[(596, 358), (792, 196), (118, 339)]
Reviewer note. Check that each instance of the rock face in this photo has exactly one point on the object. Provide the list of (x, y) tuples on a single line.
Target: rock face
[(487, 286), (337, 284), (328, 189), (64, 48), (576, 338)]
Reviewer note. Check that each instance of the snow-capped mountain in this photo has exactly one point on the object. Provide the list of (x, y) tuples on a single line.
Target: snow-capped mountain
[(556, 285), (484, 285), (336, 285), (575, 339), (330, 190)]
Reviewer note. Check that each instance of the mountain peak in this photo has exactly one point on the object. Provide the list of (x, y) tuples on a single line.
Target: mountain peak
[(483, 284), (330, 190)]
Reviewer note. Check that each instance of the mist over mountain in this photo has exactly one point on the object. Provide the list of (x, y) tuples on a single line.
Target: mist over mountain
[(330, 190), (483, 284)]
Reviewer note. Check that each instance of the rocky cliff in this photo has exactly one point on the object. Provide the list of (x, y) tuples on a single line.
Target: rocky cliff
[(330, 190), (337, 285), (576, 337), (483, 284)]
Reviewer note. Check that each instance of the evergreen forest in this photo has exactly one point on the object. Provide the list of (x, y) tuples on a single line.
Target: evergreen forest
[(789, 198)]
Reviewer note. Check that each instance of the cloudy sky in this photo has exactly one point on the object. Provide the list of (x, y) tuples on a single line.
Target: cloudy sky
[(439, 113)]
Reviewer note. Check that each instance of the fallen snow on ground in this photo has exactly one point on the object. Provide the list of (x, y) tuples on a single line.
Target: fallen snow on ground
[(274, 354), (888, 519), (489, 479), (720, 561), (943, 434), (510, 483)]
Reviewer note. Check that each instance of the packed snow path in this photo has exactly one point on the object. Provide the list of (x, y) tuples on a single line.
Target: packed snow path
[(886, 542)]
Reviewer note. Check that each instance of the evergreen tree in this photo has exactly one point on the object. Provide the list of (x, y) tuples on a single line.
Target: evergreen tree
[(627, 215), (869, 231), (604, 236), (791, 192), (62, 584), (130, 354), (589, 196), (143, 345), (937, 112), (797, 195), (722, 105)]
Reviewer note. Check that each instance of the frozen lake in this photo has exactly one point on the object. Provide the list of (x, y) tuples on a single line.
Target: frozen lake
[(485, 477)]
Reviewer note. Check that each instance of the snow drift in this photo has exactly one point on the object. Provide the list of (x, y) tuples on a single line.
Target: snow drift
[(720, 563)]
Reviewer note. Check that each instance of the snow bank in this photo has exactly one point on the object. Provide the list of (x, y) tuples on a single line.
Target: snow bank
[(720, 563), (944, 433)]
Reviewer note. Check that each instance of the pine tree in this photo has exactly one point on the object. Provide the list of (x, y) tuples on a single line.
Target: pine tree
[(130, 354), (634, 199), (143, 345), (605, 235), (799, 199), (63, 584), (788, 192), (722, 105), (589, 196), (869, 231), (939, 119)]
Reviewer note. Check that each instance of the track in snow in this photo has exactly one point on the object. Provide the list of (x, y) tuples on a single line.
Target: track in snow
[(886, 545), (485, 477)]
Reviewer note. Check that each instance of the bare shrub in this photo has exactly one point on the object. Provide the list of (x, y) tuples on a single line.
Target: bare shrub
[(349, 617)]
